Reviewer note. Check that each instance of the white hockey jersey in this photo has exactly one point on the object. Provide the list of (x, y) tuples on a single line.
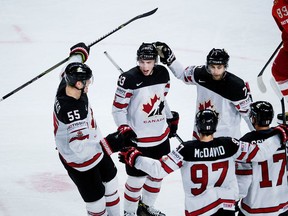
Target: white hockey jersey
[(208, 170), (263, 184), (76, 133), (140, 103), (229, 97)]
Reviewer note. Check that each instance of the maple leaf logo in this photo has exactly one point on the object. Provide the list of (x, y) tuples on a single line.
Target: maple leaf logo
[(206, 105), (150, 108)]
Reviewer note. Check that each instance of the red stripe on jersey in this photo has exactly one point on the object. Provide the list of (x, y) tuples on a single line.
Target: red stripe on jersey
[(188, 79), (79, 138), (131, 199), (132, 189), (209, 207), (119, 105), (263, 210), (155, 139), (92, 119), (128, 95), (113, 203), (55, 123), (151, 189), (179, 164), (244, 172), (252, 154), (241, 156), (166, 167), (86, 163), (285, 92)]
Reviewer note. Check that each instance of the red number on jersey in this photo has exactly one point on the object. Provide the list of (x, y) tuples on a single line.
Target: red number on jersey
[(200, 175), (266, 182)]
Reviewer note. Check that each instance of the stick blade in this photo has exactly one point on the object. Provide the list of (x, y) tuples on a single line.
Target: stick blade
[(261, 84), (144, 14), (149, 12)]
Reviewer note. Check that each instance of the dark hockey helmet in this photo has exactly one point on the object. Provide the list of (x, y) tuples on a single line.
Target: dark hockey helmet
[(147, 51), (261, 113), (77, 71), (206, 121), (217, 57)]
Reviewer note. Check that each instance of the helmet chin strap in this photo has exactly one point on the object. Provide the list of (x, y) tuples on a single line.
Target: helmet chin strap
[(81, 89)]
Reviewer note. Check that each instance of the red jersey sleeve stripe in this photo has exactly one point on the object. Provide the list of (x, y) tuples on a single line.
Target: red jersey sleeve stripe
[(119, 105), (252, 154), (166, 167), (242, 155)]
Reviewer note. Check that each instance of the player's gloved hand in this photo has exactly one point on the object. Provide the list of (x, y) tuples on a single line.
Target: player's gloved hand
[(128, 133), (80, 49), (166, 54), (173, 123), (128, 155), (282, 130), (112, 143)]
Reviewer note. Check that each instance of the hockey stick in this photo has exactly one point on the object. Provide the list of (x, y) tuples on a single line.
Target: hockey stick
[(280, 96), (113, 62), (66, 59), (260, 82), (121, 71)]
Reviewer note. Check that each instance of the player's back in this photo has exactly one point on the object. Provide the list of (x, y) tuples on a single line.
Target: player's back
[(268, 192), (208, 175)]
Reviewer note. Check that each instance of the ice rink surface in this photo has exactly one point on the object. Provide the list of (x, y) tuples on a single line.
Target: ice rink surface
[(35, 35)]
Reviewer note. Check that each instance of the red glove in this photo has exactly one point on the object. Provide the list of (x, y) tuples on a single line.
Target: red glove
[(128, 155), (81, 49)]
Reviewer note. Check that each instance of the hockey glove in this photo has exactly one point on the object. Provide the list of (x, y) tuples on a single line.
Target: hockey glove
[(80, 49), (128, 133), (173, 124), (112, 143), (128, 155), (165, 53), (282, 131)]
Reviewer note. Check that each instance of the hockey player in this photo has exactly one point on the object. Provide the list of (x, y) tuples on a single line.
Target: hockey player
[(141, 114), (82, 149), (207, 166), (217, 89), (280, 65), (263, 184)]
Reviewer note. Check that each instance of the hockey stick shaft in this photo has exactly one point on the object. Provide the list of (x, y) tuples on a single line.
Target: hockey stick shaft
[(260, 82), (113, 62), (121, 71), (269, 60), (66, 59)]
